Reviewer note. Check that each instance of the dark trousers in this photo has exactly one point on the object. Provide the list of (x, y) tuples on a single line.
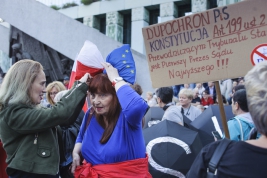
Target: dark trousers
[(65, 172), (22, 174)]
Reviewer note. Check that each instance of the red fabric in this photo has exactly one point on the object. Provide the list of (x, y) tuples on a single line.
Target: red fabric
[(127, 169), (83, 69), (72, 79), (71, 82), (3, 164), (207, 102), (73, 74)]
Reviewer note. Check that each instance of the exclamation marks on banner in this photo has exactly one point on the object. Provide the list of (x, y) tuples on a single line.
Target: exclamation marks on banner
[(222, 63)]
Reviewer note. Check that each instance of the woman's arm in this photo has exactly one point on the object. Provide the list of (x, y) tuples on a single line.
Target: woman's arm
[(32, 120), (134, 104), (112, 74), (76, 156)]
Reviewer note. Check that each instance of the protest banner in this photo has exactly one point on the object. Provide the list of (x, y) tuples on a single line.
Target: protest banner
[(207, 46)]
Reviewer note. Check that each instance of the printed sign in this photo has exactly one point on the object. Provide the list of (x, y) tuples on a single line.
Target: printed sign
[(206, 46), (259, 54)]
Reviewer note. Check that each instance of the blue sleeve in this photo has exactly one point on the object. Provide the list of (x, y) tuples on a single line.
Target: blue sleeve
[(234, 130), (79, 138), (133, 105)]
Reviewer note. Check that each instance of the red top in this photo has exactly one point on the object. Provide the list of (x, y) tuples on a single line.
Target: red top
[(126, 169), (207, 102)]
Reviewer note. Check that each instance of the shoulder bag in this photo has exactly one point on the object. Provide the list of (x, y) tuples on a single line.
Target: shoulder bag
[(216, 157)]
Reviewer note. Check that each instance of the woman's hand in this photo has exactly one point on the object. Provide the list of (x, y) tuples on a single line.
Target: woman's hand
[(111, 71), (86, 78), (75, 162)]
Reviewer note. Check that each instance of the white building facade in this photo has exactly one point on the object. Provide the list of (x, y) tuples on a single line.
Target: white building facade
[(123, 20)]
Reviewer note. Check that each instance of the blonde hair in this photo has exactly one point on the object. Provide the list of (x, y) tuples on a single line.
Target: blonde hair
[(58, 86), (188, 92), (256, 88), (18, 82), (150, 93)]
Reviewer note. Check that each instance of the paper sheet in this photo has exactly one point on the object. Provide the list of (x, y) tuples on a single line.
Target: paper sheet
[(216, 125)]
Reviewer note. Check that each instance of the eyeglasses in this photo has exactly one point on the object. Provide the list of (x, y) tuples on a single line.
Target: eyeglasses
[(53, 93)]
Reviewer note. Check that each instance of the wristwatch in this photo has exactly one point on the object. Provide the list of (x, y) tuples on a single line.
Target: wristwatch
[(116, 80)]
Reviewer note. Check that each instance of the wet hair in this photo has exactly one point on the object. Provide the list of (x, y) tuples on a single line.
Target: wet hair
[(59, 87), (165, 94), (101, 84), (18, 82), (241, 98)]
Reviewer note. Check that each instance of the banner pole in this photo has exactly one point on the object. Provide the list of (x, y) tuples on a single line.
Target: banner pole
[(222, 112)]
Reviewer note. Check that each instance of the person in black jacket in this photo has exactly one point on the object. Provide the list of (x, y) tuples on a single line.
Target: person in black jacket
[(69, 134)]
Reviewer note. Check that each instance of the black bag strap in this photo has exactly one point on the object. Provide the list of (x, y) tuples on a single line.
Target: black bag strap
[(216, 157)]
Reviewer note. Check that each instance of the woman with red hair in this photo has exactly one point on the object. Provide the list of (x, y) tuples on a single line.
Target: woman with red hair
[(110, 138)]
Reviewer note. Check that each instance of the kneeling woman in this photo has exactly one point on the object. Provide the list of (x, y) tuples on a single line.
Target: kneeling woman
[(110, 138)]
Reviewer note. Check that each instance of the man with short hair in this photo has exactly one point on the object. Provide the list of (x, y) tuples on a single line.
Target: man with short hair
[(212, 90), (164, 99)]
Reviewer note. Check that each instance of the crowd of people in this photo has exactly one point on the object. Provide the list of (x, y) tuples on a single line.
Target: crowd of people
[(204, 94), (191, 103), (56, 138)]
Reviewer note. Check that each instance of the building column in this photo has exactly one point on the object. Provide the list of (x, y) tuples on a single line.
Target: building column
[(221, 3), (199, 5), (140, 19), (91, 21), (168, 11), (114, 27)]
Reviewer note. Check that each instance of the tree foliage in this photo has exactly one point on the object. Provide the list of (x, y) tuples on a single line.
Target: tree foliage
[(87, 2), (67, 5), (55, 7)]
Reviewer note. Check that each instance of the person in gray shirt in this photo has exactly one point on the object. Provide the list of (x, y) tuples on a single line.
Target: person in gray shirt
[(172, 112)]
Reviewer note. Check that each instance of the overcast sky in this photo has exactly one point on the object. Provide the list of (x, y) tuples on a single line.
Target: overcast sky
[(58, 2)]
